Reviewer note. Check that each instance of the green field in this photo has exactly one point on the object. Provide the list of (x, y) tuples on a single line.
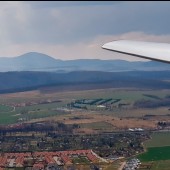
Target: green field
[(156, 154), (4, 108), (8, 118), (158, 139), (7, 114), (158, 151), (29, 112)]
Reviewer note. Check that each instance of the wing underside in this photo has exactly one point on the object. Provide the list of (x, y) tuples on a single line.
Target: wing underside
[(147, 50)]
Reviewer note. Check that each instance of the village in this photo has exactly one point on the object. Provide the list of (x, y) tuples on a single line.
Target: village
[(43, 160), (40, 146)]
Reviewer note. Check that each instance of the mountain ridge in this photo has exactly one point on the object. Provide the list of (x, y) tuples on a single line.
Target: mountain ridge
[(34, 61)]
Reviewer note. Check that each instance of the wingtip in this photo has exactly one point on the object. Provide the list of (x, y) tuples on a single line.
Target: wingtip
[(106, 44), (103, 46)]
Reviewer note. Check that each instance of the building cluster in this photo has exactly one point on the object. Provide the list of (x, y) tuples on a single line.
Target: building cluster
[(136, 129), (132, 164), (40, 160)]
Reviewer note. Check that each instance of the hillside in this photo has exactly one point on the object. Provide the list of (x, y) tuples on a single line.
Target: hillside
[(34, 61), (21, 81)]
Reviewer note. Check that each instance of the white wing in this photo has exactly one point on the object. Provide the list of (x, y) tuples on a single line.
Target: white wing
[(148, 50)]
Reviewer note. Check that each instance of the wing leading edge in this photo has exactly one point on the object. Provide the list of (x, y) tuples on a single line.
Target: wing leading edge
[(148, 50)]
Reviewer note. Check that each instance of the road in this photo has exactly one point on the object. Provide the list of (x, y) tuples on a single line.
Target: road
[(121, 167)]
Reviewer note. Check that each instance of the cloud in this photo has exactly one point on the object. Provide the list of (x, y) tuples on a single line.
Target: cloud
[(69, 30), (33, 22), (91, 50), (56, 4)]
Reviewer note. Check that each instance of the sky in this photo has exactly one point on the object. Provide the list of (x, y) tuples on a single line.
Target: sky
[(77, 30)]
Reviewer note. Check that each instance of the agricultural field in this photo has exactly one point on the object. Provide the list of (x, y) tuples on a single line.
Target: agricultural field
[(158, 149), (16, 107), (156, 154), (8, 118), (4, 108), (27, 113), (123, 94), (98, 126), (161, 165), (159, 139), (155, 165)]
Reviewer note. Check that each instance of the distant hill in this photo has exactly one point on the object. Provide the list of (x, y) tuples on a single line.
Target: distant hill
[(28, 62), (34, 61), (22, 81)]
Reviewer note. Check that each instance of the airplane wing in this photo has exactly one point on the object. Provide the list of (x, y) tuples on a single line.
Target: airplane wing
[(148, 50)]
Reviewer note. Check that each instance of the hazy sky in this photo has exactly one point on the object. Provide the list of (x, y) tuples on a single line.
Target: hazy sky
[(72, 30)]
